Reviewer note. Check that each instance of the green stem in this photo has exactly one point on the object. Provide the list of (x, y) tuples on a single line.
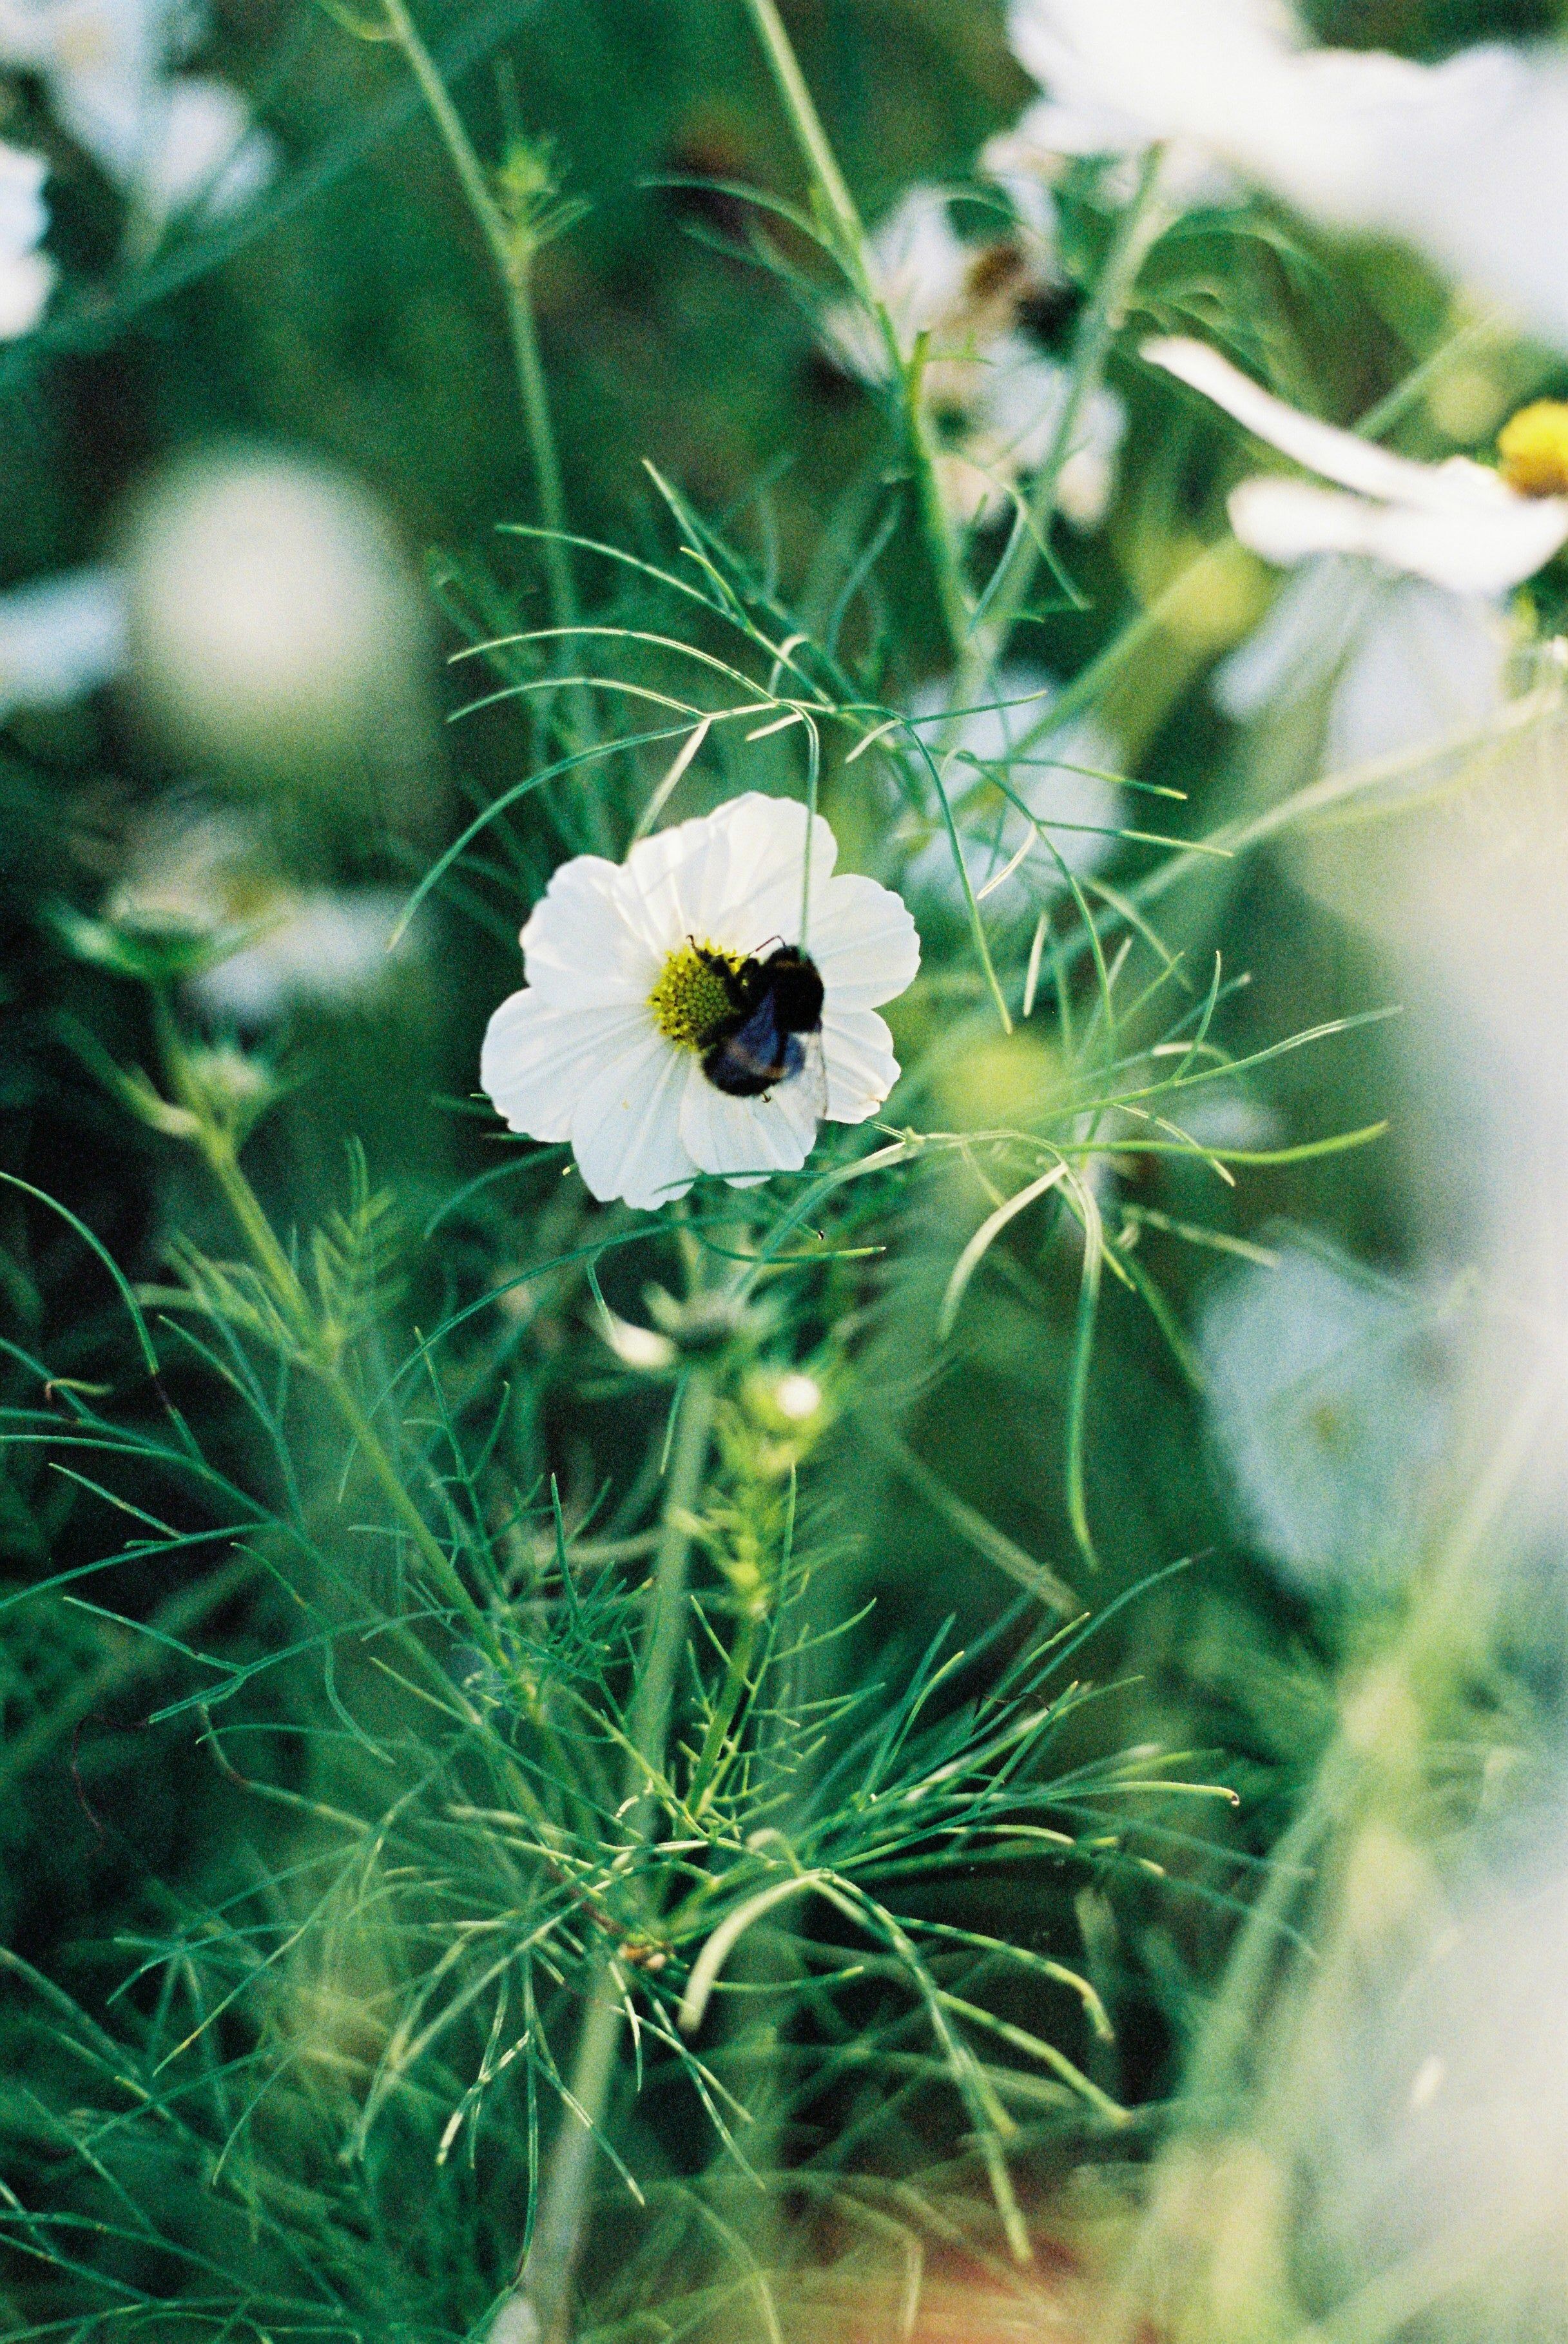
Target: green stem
[(219, 1148), (1141, 224), (561, 2230), (508, 250), (834, 200), (807, 123)]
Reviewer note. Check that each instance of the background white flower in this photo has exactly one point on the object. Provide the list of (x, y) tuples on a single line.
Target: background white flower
[(580, 1055), (1467, 160), (1328, 1405), (27, 275), (1401, 666), (169, 139), (1457, 524), (61, 638), (1080, 809)]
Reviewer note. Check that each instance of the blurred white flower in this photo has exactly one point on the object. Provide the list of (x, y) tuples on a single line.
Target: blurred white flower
[(204, 873), (27, 275), (61, 638), (1400, 667), (918, 265), (272, 617), (1015, 400), (995, 397), (1436, 2164), (1067, 784), (167, 138), (1457, 524), (1466, 160), (608, 1044), (1328, 1405)]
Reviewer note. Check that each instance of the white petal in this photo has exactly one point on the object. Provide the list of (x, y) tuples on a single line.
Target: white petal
[(1469, 552), (1321, 447), (861, 1066), (1427, 667), (536, 1059), (761, 891), (748, 1137), (625, 1125), (582, 947), (864, 940), (1314, 620)]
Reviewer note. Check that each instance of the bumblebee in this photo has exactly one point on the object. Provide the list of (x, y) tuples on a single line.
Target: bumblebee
[(772, 1032)]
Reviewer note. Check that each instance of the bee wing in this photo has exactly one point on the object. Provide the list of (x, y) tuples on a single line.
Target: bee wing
[(813, 1075)]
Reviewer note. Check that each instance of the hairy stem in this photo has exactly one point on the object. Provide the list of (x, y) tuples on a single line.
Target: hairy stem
[(561, 2230)]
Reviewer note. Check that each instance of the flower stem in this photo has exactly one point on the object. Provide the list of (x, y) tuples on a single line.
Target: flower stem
[(222, 1157), (509, 251), (1142, 223), (561, 2232), (848, 231)]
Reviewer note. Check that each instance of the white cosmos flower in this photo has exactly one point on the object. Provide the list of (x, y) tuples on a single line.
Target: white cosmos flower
[(585, 1053), (1016, 399), (27, 275), (1330, 1408), (1467, 160), (169, 139), (61, 638), (932, 281), (1062, 782), (1457, 524)]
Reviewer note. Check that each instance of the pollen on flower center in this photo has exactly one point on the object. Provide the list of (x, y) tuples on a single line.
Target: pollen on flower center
[(691, 1002), (1534, 447)]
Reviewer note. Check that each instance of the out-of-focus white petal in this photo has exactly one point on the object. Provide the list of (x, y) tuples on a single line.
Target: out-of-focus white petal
[(864, 940), (1322, 448), (742, 1136), (581, 948), (1061, 781), (1469, 552), (861, 1068), (1467, 160), (535, 1057), (61, 638), (918, 264), (625, 1125), (1427, 668), (26, 281), (1312, 624), (1329, 1407), (1405, 666), (325, 948)]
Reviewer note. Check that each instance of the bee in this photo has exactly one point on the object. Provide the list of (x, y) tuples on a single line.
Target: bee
[(772, 1032)]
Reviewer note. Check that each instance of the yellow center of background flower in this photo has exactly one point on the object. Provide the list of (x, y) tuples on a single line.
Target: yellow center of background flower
[(689, 1001), (1534, 449)]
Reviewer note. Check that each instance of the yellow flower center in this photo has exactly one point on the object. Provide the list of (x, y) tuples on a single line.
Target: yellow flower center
[(1534, 449), (689, 1001)]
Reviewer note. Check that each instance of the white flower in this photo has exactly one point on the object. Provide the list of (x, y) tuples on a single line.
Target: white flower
[(169, 139), (181, 143), (1014, 398), (1457, 524), (1066, 787), (604, 1046), (1329, 1407), (272, 616), (1402, 667), (1467, 160), (930, 281), (206, 873), (27, 275), (61, 638)]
